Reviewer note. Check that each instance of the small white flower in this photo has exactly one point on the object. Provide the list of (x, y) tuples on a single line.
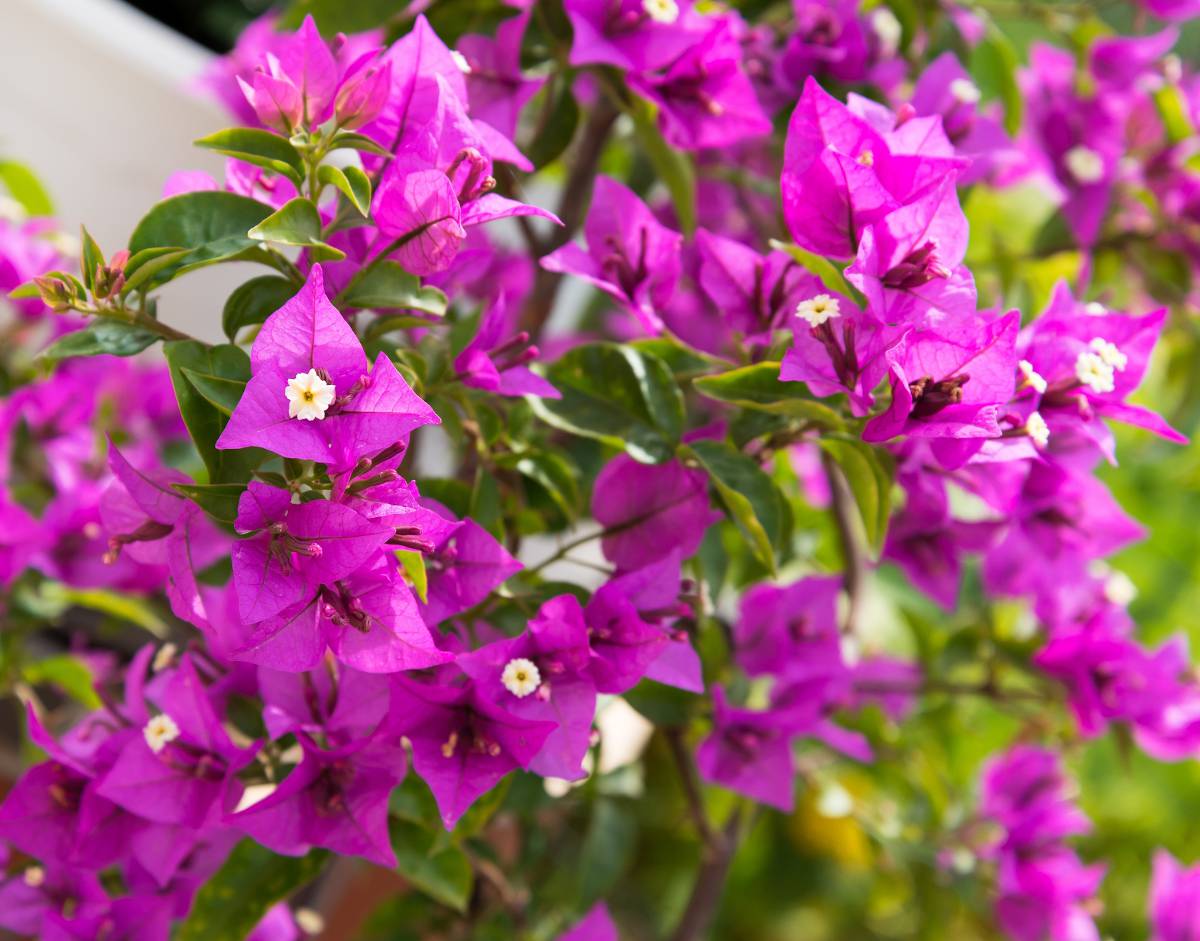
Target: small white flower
[(887, 29), (835, 801), (1109, 353), (34, 876), (965, 91), (962, 861), (160, 730), (1037, 429), (309, 396), (521, 677), (661, 11), (816, 310), (1094, 372), (1032, 377), (309, 921), (461, 61), (1095, 309), (165, 657), (1085, 164), (1119, 589)]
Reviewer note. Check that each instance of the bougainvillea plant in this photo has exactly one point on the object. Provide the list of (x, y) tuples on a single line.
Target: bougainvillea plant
[(663, 445)]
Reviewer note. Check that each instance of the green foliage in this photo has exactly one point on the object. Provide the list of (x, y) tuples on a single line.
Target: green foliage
[(258, 147), (252, 879), (617, 395), (210, 225), (114, 337)]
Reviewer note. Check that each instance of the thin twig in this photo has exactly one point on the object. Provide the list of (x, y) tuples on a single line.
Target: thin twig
[(691, 789), (572, 209), (710, 881), (852, 551)]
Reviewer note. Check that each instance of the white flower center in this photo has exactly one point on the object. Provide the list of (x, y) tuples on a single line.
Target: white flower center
[(816, 310), (1094, 372), (521, 677), (1037, 429), (965, 91), (1095, 309), (160, 730), (309, 396), (1032, 377), (1109, 353), (661, 11), (865, 159), (1085, 164), (34, 876)]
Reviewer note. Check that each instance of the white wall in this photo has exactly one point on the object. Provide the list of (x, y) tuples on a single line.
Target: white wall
[(95, 97)]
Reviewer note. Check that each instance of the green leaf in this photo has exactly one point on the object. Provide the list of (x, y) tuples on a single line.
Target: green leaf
[(607, 850), (830, 274), (204, 420), (758, 387), (114, 337), (994, 67), (684, 362), (673, 166), (220, 501), (252, 879), (68, 673), (618, 395), (224, 381), (388, 286), (211, 225), (413, 564), (92, 257), (556, 134), (868, 471), (553, 474), (148, 262), (353, 183), (258, 147), (124, 607), (297, 222), (354, 141), (1172, 109), (663, 705), (255, 301), (443, 872), (24, 186), (750, 497)]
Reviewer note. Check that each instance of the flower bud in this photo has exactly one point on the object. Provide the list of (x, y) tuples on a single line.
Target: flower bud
[(110, 278), (363, 96), (276, 100), (56, 293)]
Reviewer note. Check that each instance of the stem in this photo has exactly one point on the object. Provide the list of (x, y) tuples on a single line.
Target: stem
[(572, 209), (856, 563), (691, 789), (710, 881)]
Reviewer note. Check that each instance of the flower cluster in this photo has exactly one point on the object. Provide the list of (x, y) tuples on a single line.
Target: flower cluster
[(804, 400)]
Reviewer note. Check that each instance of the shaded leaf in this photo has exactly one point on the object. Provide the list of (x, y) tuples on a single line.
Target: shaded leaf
[(114, 337), (443, 872), (255, 301), (868, 471), (758, 387), (297, 222), (252, 879), (750, 497), (387, 285), (618, 395), (211, 225)]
